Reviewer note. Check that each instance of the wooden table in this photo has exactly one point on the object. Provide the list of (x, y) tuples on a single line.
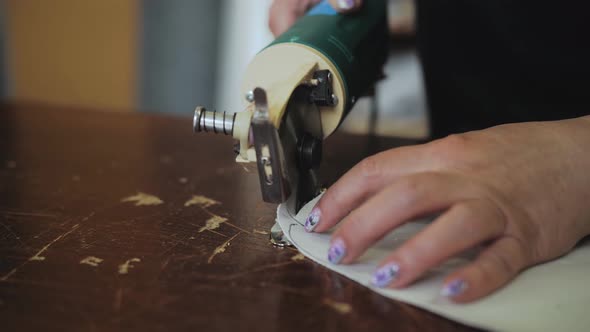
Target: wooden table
[(74, 256)]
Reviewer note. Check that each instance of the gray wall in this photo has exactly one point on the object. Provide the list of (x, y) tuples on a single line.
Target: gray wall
[(178, 54)]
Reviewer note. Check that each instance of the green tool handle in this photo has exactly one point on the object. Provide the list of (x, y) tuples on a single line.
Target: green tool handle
[(355, 43)]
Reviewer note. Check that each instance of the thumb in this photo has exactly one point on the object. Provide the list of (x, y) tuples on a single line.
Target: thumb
[(346, 6), (284, 13), (281, 16)]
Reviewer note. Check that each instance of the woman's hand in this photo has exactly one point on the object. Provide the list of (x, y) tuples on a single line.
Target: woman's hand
[(521, 190), (283, 13)]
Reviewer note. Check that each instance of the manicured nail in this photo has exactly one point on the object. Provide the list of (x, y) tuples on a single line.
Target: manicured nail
[(385, 275), (346, 4), (454, 288), (312, 220), (337, 251)]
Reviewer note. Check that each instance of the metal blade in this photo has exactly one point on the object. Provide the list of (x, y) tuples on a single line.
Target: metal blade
[(270, 157)]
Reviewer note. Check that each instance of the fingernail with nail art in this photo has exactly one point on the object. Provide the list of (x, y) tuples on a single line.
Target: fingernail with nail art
[(385, 275), (337, 251), (346, 4), (313, 220), (454, 288)]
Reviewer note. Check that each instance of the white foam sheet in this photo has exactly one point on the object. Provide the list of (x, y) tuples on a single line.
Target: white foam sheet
[(550, 297)]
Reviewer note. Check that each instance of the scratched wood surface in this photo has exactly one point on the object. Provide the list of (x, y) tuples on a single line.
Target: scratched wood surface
[(130, 222)]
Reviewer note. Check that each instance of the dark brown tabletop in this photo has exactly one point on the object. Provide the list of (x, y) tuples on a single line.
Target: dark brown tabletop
[(75, 256)]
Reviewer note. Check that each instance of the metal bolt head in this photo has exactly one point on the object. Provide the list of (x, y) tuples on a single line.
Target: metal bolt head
[(250, 96), (335, 100), (278, 238)]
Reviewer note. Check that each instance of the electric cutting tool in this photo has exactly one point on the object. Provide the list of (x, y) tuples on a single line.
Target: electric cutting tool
[(297, 91)]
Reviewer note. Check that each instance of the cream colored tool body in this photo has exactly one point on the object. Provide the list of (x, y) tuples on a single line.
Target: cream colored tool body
[(297, 92), (293, 79)]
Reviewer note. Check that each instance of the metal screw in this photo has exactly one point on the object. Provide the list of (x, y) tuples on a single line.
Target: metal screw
[(250, 96), (335, 100)]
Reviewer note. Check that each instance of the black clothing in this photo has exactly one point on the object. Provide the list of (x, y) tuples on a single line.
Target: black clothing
[(488, 62)]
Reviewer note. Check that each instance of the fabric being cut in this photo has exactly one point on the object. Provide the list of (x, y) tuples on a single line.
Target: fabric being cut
[(554, 296)]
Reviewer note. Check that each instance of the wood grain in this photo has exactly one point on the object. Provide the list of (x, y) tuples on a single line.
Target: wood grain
[(74, 256)]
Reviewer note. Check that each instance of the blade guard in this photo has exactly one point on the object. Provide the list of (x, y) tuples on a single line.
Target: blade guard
[(270, 157)]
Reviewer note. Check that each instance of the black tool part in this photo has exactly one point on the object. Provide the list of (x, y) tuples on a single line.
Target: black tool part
[(310, 152), (322, 94)]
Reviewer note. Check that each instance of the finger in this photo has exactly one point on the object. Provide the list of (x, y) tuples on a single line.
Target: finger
[(407, 198), (284, 13), (363, 180), (493, 268), (463, 226), (346, 6)]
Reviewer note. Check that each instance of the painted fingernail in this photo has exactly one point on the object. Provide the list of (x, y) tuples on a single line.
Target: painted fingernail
[(385, 275), (454, 288), (337, 251), (346, 4), (313, 220)]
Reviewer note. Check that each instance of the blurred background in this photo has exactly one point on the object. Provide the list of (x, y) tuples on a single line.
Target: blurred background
[(169, 56)]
